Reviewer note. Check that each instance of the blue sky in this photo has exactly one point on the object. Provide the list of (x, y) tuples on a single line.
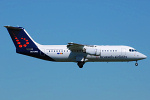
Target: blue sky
[(100, 22)]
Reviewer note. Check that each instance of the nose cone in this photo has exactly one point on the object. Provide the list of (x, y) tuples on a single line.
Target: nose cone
[(142, 56)]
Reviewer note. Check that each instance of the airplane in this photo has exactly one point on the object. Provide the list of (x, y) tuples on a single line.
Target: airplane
[(72, 52)]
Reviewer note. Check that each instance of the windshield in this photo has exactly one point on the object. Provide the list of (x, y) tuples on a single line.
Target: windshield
[(132, 50)]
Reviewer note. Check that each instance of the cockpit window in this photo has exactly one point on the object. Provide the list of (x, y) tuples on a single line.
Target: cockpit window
[(132, 50)]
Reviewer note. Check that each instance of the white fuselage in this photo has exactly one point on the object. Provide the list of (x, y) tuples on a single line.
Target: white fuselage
[(72, 52), (60, 53)]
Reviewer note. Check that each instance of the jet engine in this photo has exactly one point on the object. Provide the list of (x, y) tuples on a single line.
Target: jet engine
[(92, 51)]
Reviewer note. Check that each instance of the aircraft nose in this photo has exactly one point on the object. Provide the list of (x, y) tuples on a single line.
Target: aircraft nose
[(142, 56)]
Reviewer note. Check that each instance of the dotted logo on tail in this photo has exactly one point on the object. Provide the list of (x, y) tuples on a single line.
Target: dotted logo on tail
[(19, 43)]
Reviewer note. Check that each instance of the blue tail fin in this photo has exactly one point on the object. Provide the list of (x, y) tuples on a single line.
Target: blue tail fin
[(25, 44), (20, 37)]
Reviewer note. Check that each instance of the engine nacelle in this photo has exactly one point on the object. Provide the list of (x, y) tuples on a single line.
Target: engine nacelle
[(92, 51)]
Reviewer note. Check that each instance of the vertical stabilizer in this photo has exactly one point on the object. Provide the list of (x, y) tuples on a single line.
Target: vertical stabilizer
[(20, 37), (25, 44)]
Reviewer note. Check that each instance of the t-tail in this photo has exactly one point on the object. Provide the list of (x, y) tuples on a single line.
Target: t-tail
[(25, 44)]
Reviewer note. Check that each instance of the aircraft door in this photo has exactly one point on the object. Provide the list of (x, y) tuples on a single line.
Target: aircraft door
[(123, 51)]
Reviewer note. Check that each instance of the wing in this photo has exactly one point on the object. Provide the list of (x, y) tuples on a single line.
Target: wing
[(75, 46)]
